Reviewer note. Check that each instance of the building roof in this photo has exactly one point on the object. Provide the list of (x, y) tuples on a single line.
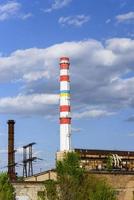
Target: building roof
[(104, 152)]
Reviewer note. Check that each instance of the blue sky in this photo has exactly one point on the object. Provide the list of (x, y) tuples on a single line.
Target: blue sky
[(98, 36)]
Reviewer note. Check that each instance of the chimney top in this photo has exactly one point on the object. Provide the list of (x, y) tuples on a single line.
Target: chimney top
[(11, 121)]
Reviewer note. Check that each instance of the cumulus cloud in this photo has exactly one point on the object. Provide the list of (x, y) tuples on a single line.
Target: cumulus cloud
[(77, 20), (127, 17), (58, 4), (94, 113), (101, 84), (123, 45), (8, 10), (12, 9), (33, 76), (29, 105), (26, 16)]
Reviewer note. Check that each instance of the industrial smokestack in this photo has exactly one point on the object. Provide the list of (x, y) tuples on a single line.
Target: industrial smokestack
[(11, 151), (65, 116)]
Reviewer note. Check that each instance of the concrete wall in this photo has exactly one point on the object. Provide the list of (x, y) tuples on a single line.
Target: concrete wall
[(28, 189), (123, 184), (42, 176)]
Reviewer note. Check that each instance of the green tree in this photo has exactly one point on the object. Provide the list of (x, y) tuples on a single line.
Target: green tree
[(109, 163), (73, 183), (51, 190), (6, 188), (99, 189)]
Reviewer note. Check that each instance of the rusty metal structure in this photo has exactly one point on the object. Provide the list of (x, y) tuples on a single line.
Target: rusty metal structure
[(11, 151), (28, 159)]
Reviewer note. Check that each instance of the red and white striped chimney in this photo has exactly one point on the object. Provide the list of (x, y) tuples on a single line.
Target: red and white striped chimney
[(65, 115)]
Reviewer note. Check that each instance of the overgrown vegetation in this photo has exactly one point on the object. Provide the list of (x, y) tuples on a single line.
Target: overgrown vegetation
[(73, 183), (6, 188), (109, 164)]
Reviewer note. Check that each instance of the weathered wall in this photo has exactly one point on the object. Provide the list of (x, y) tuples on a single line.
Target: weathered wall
[(123, 183), (42, 176), (29, 189)]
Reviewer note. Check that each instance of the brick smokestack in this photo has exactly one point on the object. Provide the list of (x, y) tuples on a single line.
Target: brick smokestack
[(11, 151)]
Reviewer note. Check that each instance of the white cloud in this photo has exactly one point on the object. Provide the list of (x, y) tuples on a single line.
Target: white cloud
[(76, 130), (77, 20), (92, 114), (19, 150), (131, 134), (29, 105), (8, 10), (12, 9), (123, 45), (98, 84), (127, 17), (26, 16), (33, 76), (108, 21), (58, 4)]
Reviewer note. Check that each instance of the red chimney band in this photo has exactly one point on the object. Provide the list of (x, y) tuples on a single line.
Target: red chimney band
[(64, 108), (64, 66), (65, 120), (64, 78)]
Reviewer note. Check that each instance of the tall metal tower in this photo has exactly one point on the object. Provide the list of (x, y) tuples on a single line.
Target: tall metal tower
[(11, 151), (28, 159), (65, 115)]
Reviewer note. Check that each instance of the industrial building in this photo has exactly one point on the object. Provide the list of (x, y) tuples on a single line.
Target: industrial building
[(116, 166), (99, 160)]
